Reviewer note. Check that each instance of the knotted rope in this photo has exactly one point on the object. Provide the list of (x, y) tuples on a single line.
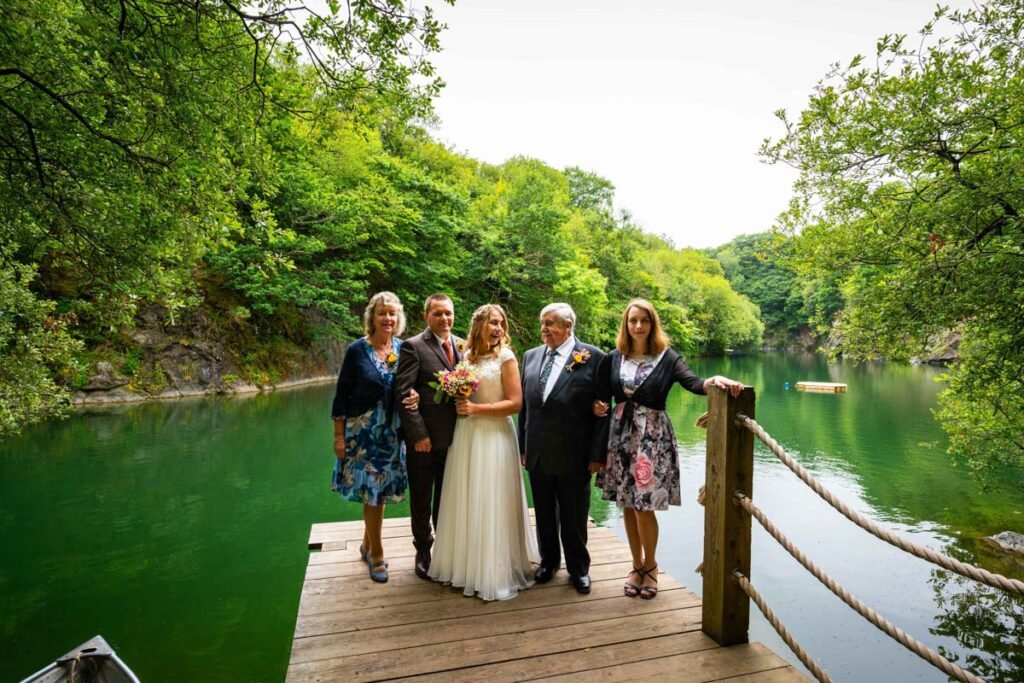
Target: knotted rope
[(944, 561), (898, 634), (783, 632)]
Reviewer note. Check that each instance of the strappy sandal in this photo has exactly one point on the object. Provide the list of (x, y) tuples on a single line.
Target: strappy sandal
[(379, 571), (630, 589), (364, 554), (650, 592)]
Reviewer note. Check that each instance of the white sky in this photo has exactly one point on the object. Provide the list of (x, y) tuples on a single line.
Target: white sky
[(668, 100)]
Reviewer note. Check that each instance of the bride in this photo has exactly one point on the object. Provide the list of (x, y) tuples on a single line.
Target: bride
[(484, 542)]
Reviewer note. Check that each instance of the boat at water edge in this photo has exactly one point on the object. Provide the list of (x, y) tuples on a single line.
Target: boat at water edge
[(94, 661)]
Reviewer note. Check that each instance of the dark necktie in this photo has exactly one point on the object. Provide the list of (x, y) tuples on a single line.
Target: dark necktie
[(545, 371), (447, 346)]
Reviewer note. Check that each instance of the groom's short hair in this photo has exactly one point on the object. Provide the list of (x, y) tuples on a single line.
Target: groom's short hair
[(438, 296), (563, 311)]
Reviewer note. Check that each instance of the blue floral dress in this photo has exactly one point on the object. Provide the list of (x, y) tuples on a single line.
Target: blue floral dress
[(642, 470), (374, 470)]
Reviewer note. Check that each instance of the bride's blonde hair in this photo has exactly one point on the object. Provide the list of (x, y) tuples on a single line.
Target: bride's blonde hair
[(477, 343)]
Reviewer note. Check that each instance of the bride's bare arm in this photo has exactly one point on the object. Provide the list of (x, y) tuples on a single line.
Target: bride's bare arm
[(513, 402)]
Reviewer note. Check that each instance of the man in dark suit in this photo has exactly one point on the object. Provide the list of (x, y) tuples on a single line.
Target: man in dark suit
[(561, 442), (429, 428)]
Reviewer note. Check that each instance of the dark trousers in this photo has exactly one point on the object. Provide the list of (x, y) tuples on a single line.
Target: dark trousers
[(426, 472), (562, 504)]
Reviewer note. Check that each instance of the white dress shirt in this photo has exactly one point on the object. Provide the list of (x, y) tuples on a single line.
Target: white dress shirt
[(564, 352)]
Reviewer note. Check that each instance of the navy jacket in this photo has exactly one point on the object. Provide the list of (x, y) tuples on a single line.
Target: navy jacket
[(360, 384)]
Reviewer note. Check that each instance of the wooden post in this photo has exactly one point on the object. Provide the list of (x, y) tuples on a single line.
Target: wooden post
[(730, 467)]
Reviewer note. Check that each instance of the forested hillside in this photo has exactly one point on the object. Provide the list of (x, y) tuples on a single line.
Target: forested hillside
[(207, 193)]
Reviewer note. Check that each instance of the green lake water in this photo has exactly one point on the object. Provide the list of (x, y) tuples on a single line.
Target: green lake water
[(178, 530)]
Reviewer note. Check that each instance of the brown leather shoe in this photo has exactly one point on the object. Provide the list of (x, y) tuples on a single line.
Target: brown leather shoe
[(422, 567)]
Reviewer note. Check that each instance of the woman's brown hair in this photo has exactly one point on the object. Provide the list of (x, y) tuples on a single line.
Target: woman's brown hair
[(657, 340), (477, 343)]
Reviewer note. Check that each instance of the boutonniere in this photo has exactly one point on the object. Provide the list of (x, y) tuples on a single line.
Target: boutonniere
[(391, 359), (578, 358), (461, 346)]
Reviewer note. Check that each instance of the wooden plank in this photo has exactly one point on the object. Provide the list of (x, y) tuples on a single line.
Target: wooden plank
[(334, 532), (505, 647), (691, 667), (371, 638), (348, 563), (332, 595), (573, 660), (785, 674), (729, 468), (349, 551), (355, 618), (341, 532)]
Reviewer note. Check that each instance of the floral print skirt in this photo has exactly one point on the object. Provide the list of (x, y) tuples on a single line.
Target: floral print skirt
[(642, 470), (374, 471)]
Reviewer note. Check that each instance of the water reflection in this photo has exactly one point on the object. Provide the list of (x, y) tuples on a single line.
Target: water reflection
[(987, 623)]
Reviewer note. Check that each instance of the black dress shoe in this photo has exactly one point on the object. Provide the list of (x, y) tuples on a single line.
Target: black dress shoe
[(422, 567), (581, 583), (543, 574)]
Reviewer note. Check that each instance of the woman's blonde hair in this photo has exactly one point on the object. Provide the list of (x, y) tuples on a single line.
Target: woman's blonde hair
[(477, 343), (657, 340), (383, 299)]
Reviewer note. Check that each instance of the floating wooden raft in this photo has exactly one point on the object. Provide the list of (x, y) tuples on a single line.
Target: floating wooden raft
[(822, 387)]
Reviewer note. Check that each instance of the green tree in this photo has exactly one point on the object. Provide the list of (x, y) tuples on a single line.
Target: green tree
[(135, 139), (911, 182), (36, 352)]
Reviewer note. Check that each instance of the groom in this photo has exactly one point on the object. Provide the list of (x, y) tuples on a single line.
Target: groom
[(429, 428), (561, 442)]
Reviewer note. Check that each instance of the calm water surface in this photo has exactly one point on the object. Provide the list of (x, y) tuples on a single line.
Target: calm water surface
[(177, 530)]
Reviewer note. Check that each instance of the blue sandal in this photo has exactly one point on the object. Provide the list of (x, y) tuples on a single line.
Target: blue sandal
[(379, 571)]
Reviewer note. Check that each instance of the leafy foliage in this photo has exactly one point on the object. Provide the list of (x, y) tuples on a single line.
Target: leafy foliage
[(37, 352), (911, 182)]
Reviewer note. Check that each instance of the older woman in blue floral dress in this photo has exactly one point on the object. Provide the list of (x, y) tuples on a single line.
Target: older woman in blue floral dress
[(370, 457), (641, 473)]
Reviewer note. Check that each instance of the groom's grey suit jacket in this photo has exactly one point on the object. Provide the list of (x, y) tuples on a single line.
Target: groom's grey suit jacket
[(560, 436)]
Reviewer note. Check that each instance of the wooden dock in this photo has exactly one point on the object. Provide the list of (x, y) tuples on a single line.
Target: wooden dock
[(351, 629)]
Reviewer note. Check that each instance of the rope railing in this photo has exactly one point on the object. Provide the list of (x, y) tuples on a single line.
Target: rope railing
[(901, 636), (944, 561), (780, 628)]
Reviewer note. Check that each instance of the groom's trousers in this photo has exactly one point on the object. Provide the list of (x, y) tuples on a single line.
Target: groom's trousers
[(426, 475), (562, 504)]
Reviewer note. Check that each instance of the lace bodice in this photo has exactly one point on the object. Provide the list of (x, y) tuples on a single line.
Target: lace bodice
[(490, 389)]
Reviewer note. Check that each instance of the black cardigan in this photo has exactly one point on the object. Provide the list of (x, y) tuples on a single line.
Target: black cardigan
[(360, 385), (653, 392)]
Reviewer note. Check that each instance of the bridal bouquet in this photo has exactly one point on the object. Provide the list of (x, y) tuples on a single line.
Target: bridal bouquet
[(458, 383)]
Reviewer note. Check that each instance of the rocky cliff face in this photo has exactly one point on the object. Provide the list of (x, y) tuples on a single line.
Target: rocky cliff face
[(190, 357)]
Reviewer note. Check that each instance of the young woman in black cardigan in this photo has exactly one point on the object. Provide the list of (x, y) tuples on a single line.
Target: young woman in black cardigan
[(641, 473)]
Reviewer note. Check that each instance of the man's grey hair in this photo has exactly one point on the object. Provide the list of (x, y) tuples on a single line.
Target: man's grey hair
[(563, 311)]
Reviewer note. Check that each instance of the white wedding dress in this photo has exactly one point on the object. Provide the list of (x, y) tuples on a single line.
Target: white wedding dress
[(484, 543)]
